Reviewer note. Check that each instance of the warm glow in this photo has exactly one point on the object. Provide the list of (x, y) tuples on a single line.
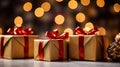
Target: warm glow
[(92, 12), (89, 25), (102, 31), (39, 12), (80, 17), (59, 0), (72, 4), (59, 19), (69, 30), (100, 3), (86, 29), (116, 7), (0, 30), (18, 21), (46, 6), (27, 6), (85, 2)]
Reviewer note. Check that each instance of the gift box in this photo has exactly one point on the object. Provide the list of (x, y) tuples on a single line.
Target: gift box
[(87, 47), (17, 46), (50, 49)]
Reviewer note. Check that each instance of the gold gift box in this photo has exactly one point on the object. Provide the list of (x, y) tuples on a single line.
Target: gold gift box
[(14, 46), (50, 49), (93, 47)]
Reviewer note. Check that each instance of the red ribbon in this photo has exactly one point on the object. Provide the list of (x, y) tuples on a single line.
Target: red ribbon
[(80, 31), (81, 47), (61, 49), (20, 31), (102, 46), (55, 35), (26, 47), (2, 47), (40, 51)]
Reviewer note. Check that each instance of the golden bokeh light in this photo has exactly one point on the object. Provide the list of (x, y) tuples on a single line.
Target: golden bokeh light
[(89, 25), (69, 30), (27, 6), (100, 3), (116, 7), (102, 31), (0, 31), (18, 21), (46, 6), (85, 2), (80, 17), (59, 0), (39, 12), (59, 19), (72, 4), (86, 29)]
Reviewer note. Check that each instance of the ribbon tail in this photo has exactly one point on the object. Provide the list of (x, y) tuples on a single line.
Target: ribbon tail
[(61, 49), (26, 47), (2, 47), (40, 51), (81, 47), (103, 44)]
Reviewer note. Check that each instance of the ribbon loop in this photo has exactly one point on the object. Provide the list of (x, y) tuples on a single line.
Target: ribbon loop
[(20, 31), (80, 31), (55, 35)]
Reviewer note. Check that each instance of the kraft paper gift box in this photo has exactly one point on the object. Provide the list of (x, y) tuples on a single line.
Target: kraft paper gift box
[(50, 50), (17, 46), (87, 47)]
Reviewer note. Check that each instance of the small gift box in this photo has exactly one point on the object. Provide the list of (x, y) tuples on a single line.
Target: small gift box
[(51, 49), (86, 46), (17, 46)]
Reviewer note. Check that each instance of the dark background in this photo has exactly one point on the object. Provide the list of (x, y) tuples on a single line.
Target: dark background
[(106, 18)]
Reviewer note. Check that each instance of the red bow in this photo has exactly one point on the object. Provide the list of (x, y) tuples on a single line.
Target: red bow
[(54, 35), (20, 31), (79, 31)]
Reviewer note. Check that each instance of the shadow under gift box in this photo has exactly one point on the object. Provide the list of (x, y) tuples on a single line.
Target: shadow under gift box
[(50, 49), (87, 47), (17, 46)]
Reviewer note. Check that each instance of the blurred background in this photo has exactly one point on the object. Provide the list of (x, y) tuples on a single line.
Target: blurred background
[(64, 15)]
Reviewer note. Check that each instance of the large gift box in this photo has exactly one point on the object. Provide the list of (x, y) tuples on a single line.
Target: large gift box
[(87, 47), (50, 49), (17, 46)]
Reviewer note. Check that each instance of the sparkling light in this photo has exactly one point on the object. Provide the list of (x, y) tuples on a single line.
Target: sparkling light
[(116, 7), (18, 21), (90, 25), (102, 31), (39, 12), (0, 30), (27, 6), (72, 4), (59, 0), (86, 29), (85, 2), (80, 17), (59, 19), (100, 3), (46, 6), (69, 30)]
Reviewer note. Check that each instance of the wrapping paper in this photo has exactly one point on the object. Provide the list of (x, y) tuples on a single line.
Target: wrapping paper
[(87, 47), (50, 49), (17, 46)]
